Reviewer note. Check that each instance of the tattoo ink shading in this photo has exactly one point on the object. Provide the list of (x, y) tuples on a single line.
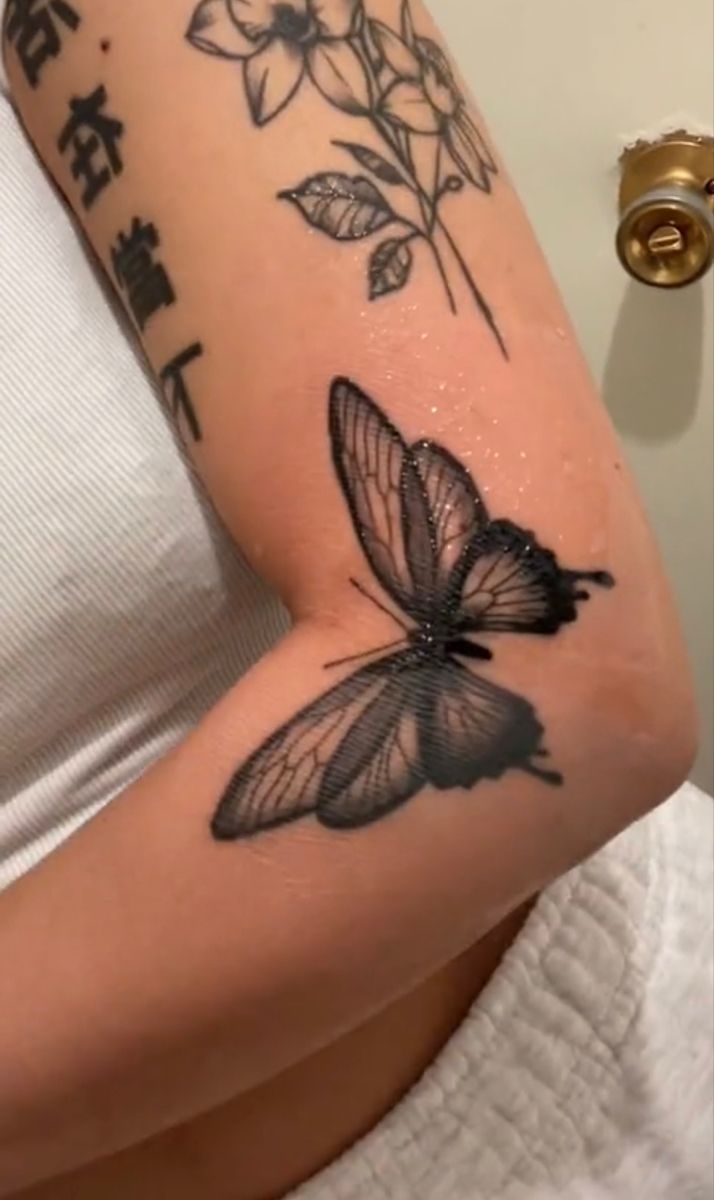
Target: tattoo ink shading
[(35, 29), (402, 88), (176, 390), (143, 280), (94, 137), (419, 716)]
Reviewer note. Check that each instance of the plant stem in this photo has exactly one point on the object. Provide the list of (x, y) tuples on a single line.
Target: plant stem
[(442, 272), (406, 170), (424, 202), (430, 214), (437, 180), (429, 206), (435, 221), (480, 300), (382, 128)]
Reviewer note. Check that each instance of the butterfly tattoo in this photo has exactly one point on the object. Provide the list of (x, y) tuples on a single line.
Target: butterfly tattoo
[(418, 716)]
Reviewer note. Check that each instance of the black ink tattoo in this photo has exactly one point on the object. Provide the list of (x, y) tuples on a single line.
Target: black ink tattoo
[(145, 281), (35, 28), (176, 391), (401, 85), (94, 137), (418, 716)]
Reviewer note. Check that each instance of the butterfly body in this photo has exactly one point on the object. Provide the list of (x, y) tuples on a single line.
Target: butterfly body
[(439, 640), (419, 716)]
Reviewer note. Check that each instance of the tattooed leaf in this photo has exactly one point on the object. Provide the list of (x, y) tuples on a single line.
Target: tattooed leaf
[(345, 208), (372, 161), (390, 267)]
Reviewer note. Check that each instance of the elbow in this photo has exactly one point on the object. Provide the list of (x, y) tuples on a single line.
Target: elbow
[(632, 734), (670, 714), (669, 741), (675, 731), (649, 716)]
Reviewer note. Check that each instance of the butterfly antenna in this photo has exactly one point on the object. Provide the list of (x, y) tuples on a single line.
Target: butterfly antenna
[(546, 777), (554, 778), (368, 595), (601, 579), (341, 662)]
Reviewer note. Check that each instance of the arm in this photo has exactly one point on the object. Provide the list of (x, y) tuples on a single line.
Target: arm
[(159, 968)]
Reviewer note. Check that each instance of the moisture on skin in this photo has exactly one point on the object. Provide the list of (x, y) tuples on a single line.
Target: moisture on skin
[(416, 715)]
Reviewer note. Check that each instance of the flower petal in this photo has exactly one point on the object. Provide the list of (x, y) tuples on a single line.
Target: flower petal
[(256, 17), (431, 52), (213, 29), (441, 94), (469, 151), (336, 18), (339, 73), (271, 79), (406, 102), (395, 51)]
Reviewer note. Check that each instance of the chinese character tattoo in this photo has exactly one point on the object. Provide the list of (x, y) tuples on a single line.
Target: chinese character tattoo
[(94, 137), (145, 281), (176, 391), (35, 29)]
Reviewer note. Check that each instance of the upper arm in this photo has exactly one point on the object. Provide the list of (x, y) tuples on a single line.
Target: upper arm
[(204, 150)]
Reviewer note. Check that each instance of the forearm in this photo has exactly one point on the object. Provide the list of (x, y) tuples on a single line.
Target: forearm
[(178, 970)]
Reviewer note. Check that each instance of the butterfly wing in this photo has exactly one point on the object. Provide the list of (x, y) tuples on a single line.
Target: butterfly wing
[(456, 509), (377, 765), (471, 729), (285, 777), (373, 741), (509, 583), (384, 494)]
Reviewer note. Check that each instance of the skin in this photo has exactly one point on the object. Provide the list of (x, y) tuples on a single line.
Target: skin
[(307, 1111), (185, 976)]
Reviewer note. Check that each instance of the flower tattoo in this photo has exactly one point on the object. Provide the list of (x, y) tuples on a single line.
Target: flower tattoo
[(430, 99), (281, 43), (401, 86)]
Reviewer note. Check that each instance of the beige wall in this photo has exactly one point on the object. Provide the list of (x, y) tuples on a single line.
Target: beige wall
[(562, 83)]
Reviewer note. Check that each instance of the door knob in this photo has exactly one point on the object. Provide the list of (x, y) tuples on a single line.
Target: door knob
[(666, 233)]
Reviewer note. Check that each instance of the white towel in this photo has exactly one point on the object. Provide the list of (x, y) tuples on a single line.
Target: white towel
[(584, 1071)]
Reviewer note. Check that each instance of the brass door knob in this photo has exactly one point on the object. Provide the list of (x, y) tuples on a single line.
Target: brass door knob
[(666, 232)]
